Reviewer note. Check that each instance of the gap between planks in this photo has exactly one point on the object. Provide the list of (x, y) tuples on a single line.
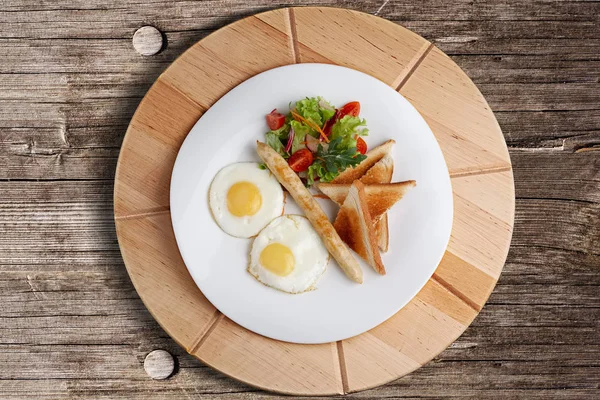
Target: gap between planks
[(470, 303), (210, 327), (292, 34), (412, 66), (481, 171), (342, 361)]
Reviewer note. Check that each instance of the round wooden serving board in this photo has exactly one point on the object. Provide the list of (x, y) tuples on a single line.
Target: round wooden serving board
[(463, 124)]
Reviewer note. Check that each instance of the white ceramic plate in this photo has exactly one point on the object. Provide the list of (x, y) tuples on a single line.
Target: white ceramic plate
[(419, 224)]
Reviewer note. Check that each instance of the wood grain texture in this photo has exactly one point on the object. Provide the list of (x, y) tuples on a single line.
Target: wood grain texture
[(160, 277), (68, 70), (249, 357), (459, 116), (148, 153)]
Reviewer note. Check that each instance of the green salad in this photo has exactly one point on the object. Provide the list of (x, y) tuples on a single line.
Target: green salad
[(318, 140)]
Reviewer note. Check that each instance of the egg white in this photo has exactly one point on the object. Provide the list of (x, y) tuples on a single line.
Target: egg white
[(311, 256), (270, 191)]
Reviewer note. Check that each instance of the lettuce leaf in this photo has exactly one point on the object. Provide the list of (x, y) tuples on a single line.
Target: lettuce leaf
[(347, 128), (273, 140), (282, 133), (319, 170), (300, 132), (315, 109), (327, 110)]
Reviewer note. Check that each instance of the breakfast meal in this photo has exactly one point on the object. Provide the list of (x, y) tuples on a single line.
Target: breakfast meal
[(244, 199), (314, 145), (288, 255)]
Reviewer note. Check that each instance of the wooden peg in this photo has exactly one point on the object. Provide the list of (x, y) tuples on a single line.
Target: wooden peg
[(159, 364), (147, 40)]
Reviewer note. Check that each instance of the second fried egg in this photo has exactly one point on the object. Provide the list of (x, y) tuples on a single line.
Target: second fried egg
[(288, 255)]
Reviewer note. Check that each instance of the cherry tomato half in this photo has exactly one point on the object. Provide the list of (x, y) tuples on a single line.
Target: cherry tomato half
[(275, 120), (352, 108), (301, 160), (361, 145)]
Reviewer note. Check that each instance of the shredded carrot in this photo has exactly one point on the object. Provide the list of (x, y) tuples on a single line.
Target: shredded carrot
[(300, 118)]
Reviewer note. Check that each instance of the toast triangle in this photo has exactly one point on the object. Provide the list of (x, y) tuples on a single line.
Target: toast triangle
[(354, 225), (381, 172)]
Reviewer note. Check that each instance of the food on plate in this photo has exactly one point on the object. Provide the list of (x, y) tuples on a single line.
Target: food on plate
[(380, 197), (244, 198), (355, 227), (381, 172), (382, 233), (318, 140), (313, 143), (371, 158), (288, 255), (291, 181), (379, 194), (301, 160)]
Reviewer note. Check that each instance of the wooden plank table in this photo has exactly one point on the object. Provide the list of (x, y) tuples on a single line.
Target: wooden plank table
[(71, 324)]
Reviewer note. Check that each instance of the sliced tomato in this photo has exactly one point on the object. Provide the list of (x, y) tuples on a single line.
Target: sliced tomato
[(301, 160), (361, 145), (352, 108), (275, 120)]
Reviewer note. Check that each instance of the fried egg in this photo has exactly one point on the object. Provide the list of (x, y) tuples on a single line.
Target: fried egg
[(244, 198), (288, 255)]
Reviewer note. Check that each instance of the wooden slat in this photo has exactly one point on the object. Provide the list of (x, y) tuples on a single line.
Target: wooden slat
[(149, 150), (386, 49), (410, 338), (271, 364), (458, 114), (161, 278), (482, 227), (228, 57), (469, 283)]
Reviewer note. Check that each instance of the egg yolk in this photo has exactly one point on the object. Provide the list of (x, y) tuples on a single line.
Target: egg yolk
[(278, 259), (243, 199)]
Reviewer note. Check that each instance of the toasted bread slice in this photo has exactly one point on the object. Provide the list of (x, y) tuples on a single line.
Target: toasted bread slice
[(354, 225), (382, 233), (380, 197), (381, 172), (350, 174)]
